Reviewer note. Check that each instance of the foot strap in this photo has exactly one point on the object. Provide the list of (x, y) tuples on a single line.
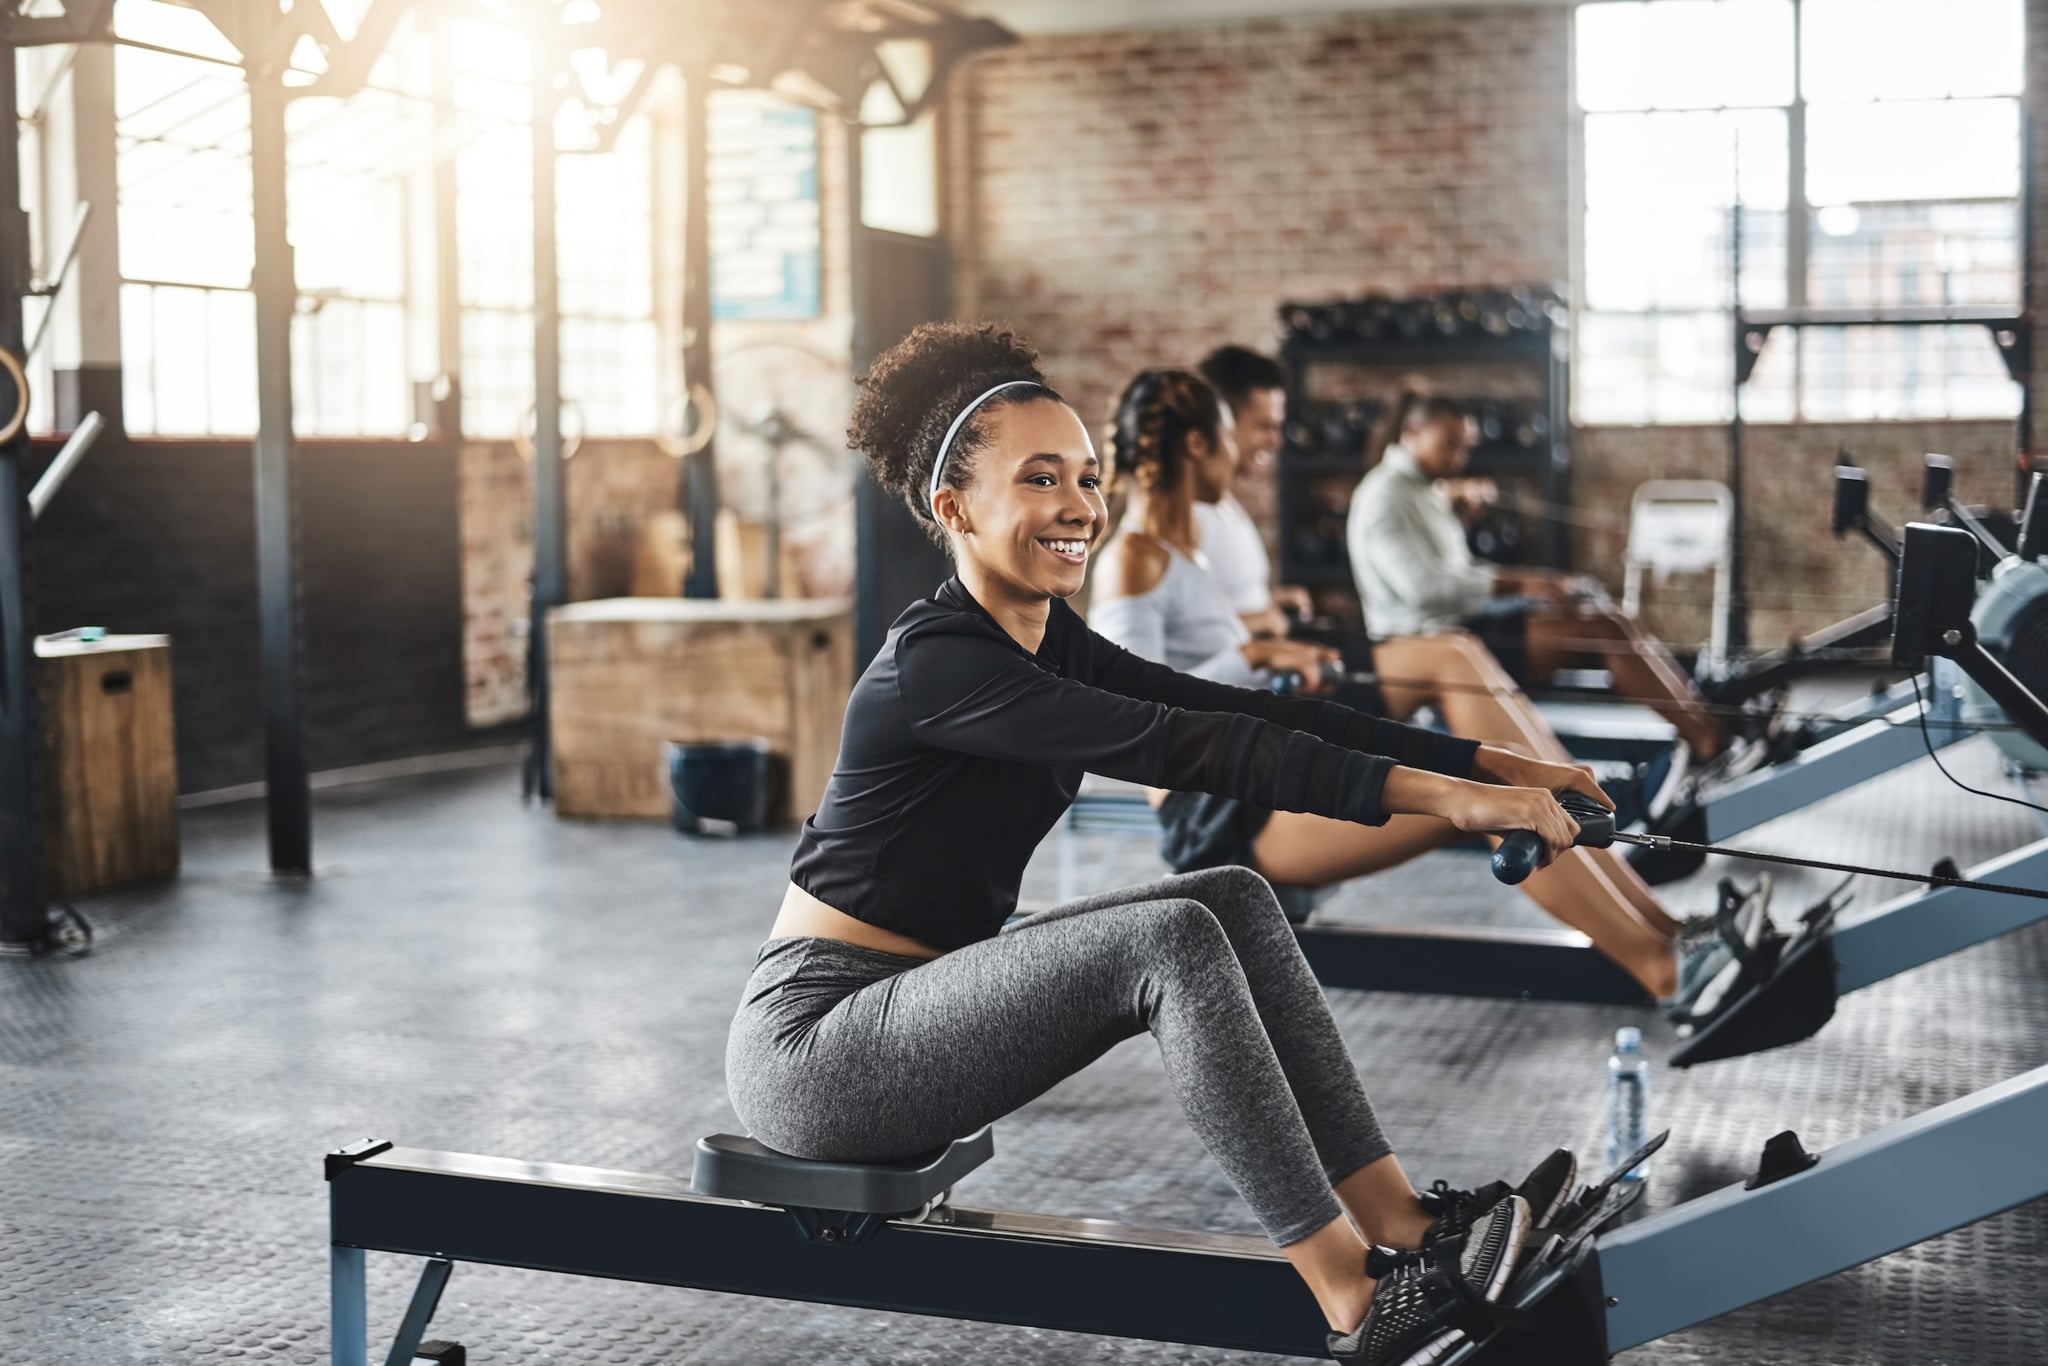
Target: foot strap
[(1444, 1287), (1731, 903)]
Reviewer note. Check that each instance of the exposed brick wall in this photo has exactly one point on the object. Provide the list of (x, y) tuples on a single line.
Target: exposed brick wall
[(159, 536), (1132, 199), (614, 484), (611, 488), (1799, 577)]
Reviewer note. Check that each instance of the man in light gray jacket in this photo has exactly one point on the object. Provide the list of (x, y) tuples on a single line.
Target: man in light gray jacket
[(1416, 576)]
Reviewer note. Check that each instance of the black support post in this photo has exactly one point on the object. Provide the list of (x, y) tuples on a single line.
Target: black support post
[(447, 254), (1738, 594), (24, 917), (2024, 467), (700, 471), (869, 624), (550, 528), (276, 290)]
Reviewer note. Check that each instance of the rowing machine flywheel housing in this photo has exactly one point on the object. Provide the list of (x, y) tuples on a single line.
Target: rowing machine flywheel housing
[(2011, 618)]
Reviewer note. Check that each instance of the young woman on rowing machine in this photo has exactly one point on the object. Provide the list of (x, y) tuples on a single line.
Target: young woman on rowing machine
[(889, 1013), (1172, 445)]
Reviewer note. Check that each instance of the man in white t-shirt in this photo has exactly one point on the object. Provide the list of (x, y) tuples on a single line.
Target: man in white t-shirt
[(1255, 388)]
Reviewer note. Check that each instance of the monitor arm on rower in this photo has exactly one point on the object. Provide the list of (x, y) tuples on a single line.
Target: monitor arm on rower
[(1937, 599), (1937, 494), (1852, 512)]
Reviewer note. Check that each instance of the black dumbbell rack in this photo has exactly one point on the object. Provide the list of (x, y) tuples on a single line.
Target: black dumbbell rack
[(1485, 343)]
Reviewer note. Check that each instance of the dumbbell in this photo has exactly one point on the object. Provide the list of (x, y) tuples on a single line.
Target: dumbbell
[(1521, 851)]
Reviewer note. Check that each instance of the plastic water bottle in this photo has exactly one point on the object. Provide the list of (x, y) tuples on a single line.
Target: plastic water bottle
[(1628, 1099)]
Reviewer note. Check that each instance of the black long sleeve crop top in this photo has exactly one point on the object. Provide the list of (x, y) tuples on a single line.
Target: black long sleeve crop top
[(961, 749)]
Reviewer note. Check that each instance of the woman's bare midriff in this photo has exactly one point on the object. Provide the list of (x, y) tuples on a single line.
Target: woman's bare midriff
[(803, 916)]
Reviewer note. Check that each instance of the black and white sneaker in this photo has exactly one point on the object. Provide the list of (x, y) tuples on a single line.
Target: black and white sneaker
[(1546, 1189), (1429, 1302), (1717, 953)]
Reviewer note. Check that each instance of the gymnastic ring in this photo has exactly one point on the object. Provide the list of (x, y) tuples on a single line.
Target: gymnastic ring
[(16, 419), (522, 438), (679, 441)]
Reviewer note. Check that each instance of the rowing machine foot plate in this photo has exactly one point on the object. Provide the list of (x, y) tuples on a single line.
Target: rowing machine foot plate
[(1790, 1005), (1559, 1285)]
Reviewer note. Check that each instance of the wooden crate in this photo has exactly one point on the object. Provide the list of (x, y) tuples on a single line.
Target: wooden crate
[(627, 674), (109, 778)]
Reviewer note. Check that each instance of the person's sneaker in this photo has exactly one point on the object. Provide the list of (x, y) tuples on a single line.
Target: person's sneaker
[(1664, 783), (1740, 756), (1709, 961), (1428, 1303), (1546, 1189)]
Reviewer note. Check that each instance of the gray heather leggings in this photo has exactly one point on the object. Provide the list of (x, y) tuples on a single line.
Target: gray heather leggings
[(848, 1053)]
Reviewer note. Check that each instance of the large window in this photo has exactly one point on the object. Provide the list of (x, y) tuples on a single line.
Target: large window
[(1870, 150), (360, 198), (188, 323), (604, 244), (494, 228)]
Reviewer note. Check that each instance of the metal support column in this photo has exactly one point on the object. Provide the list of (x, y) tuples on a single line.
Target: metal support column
[(869, 623), (426, 1298), (550, 529), (2023, 468), (85, 316), (700, 471), (348, 1327), (447, 245), (276, 290), (24, 917), (1738, 594)]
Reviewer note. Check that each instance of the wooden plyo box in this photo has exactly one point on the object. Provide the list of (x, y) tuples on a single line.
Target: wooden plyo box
[(109, 778), (627, 674)]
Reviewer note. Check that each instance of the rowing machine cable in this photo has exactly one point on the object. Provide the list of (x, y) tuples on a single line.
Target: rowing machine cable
[(1995, 796)]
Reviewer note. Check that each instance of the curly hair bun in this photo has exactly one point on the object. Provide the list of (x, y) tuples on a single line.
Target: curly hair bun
[(918, 386)]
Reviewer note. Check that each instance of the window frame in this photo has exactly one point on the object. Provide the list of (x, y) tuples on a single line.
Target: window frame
[(1799, 219)]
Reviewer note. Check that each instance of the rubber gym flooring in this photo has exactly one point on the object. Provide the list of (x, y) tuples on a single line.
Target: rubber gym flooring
[(469, 974)]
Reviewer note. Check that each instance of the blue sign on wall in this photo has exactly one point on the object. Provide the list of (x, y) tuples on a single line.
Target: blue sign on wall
[(764, 223)]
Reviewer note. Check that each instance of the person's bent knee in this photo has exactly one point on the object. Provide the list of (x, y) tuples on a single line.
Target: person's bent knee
[(1232, 882), (1181, 930), (1475, 662), (1234, 894)]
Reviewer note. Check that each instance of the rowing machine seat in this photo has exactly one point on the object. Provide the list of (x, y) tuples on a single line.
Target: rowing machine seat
[(734, 1167)]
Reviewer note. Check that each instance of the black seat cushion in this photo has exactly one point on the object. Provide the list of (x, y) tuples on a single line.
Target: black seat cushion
[(733, 1167)]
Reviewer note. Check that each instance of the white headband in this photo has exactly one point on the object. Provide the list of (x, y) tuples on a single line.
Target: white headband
[(939, 465)]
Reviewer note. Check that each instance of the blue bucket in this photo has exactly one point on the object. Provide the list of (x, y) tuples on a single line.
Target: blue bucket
[(718, 787)]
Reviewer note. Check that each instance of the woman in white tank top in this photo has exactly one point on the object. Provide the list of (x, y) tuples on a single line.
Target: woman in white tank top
[(1171, 445)]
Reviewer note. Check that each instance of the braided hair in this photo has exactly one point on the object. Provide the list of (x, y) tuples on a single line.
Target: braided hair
[(914, 391), (1158, 411)]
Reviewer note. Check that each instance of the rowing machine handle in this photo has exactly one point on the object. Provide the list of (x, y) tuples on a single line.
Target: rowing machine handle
[(1290, 683), (1521, 851)]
